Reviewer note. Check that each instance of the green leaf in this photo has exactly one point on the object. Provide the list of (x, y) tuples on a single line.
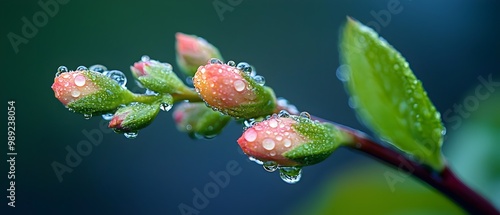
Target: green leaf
[(388, 97)]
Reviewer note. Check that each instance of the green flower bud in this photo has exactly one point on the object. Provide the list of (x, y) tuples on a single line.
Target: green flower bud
[(158, 77), (198, 120)]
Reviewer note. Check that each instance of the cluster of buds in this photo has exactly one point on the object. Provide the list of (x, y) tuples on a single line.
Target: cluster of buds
[(222, 91)]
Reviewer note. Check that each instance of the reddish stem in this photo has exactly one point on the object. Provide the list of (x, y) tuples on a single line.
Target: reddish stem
[(446, 181)]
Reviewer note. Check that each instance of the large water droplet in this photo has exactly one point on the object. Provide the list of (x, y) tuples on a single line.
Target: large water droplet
[(343, 73), (107, 116), (61, 69), (239, 85), (130, 135), (268, 144), (305, 115), (145, 58), (87, 115), (117, 76), (98, 68), (165, 106), (75, 93), (231, 63), (79, 80), (290, 175), (250, 135), (215, 61), (245, 67), (81, 68), (260, 80), (270, 166)]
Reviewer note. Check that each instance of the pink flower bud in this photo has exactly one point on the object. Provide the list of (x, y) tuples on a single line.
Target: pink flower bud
[(231, 91), (269, 140), (71, 86), (193, 51)]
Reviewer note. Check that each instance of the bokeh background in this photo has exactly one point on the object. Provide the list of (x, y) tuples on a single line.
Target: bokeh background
[(449, 44)]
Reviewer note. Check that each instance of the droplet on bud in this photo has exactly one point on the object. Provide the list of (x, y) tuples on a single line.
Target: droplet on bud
[(284, 114), (245, 67), (117, 76), (165, 106), (145, 58), (215, 61), (61, 69), (231, 63), (290, 175), (107, 116), (305, 115), (130, 135), (260, 80), (98, 68), (87, 115), (270, 166), (81, 68)]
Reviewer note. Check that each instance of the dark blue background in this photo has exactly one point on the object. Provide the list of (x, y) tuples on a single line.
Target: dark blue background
[(292, 43)]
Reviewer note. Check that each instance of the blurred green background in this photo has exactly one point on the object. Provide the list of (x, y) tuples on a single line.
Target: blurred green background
[(449, 44)]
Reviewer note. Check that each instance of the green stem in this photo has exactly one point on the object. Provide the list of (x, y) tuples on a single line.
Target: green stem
[(146, 99), (187, 94)]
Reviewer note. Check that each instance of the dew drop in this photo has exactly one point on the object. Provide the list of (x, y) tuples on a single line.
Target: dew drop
[(79, 80), (250, 135), (284, 114), (145, 58), (239, 85), (245, 67), (270, 166), (61, 69), (305, 115), (98, 68), (165, 106), (117, 76), (290, 175), (131, 135), (352, 103), (255, 160), (81, 68), (249, 123), (260, 80), (87, 115), (273, 123), (75, 93), (215, 61), (279, 138), (287, 143), (231, 63), (107, 116), (268, 144), (343, 73)]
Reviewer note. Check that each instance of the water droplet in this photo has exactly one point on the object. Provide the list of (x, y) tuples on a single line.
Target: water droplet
[(231, 63), (273, 123), (305, 115), (268, 144), (107, 116), (61, 69), (165, 106), (145, 58), (343, 73), (352, 103), (150, 92), (98, 68), (131, 135), (287, 143), (245, 67), (290, 175), (250, 135), (87, 115), (79, 80), (396, 66), (270, 166), (255, 160), (260, 80), (239, 85), (117, 76), (284, 114), (81, 68), (215, 61), (75, 93)]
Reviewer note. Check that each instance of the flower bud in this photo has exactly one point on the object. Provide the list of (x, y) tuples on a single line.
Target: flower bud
[(133, 117), (290, 141), (192, 52), (89, 92), (231, 91), (157, 76), (199, 120)]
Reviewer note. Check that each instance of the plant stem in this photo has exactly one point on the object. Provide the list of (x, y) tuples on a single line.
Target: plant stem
[(446, 181), (187, 94)]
